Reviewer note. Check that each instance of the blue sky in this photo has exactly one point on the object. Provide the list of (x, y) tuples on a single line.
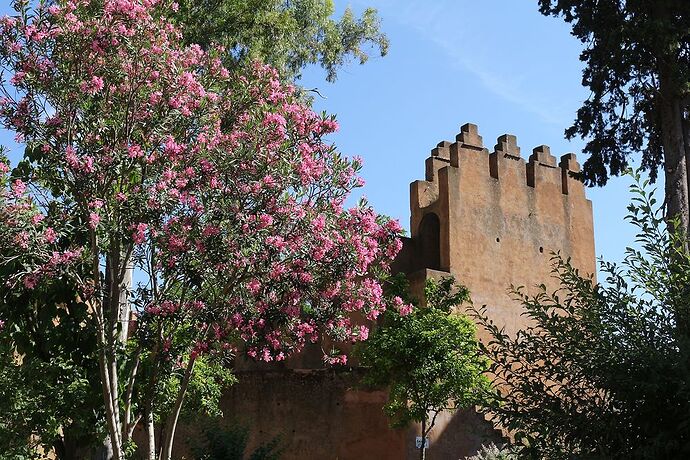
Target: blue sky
[(496, 63)]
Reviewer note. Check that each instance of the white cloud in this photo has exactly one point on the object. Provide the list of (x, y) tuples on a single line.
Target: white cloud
[(451, 27)]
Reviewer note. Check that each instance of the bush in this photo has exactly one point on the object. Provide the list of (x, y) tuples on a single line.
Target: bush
[(221, 442), (604, 369), (493, 452)]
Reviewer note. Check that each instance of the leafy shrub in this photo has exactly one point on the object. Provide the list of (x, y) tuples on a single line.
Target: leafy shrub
[(221, 442), (603, 370)]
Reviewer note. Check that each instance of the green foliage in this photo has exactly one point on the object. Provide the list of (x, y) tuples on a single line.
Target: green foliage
[(493, 452), (604, 369), (205, 388), (429, 358), (637, 58), (219, 442), (48, 372), (285, 34)]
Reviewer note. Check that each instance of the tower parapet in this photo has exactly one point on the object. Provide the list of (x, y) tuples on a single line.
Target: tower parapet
[(493, 219)]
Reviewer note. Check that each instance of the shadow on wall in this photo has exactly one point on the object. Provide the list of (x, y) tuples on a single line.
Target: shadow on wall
[(429, 238), (458, 435)]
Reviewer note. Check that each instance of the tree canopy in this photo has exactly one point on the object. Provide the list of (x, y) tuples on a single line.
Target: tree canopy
[(428, 356), (288, 35), (637, 67), (216, 185)]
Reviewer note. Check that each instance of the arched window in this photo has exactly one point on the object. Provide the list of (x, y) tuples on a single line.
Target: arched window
[(430, 241)]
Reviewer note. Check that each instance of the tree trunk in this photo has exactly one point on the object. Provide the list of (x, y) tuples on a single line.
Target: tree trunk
[(675, 156), (125, 288), (685, 121), (110, 408), (150, 435), (422, 448), (171, 423), (104, 451), (60, 449)]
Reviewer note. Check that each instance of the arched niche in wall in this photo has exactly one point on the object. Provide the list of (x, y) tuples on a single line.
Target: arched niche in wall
[(430, 241)]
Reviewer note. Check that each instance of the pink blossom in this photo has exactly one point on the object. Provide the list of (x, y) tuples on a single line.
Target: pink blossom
[(172, 148), (96, 204), (319, 223), (30, 281), (94, 220), (18, 188), (336, 360), (373, 314), (266, 355), (21, 239), (18, 78), (254, 286), (210, 231), (135, 151), (92, 86), (305, 277), (276, 241), (329, 126), (403, 308), (265, 220), (49, 235), (71, 157), (139, 234)]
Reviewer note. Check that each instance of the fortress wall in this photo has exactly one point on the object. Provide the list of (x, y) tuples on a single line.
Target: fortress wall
[(327, 415), (317, 414), (490, 218)]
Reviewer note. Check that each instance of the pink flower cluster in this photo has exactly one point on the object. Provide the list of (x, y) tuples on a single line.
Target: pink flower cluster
[(246, 218)]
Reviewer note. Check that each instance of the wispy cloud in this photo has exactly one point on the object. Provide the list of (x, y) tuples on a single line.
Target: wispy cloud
[(510, 89), (441, 23)]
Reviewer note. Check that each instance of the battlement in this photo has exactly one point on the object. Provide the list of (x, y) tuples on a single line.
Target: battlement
[(469, 151)]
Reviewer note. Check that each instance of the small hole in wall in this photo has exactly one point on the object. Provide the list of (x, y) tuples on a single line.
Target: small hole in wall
[(541, 249), (498, 240)]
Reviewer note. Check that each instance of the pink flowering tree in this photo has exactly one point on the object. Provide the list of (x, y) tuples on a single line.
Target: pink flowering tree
[(216, 190)]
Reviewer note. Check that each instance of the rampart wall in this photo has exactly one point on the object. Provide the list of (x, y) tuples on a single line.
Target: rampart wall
[(491, 219)]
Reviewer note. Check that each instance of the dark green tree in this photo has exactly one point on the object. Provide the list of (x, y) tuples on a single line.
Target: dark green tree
[(428, 358), (604, 369), (285, 34), (637, 56)]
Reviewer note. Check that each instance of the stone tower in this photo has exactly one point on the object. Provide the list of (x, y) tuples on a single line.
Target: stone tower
[(491, 219), (494, 220)]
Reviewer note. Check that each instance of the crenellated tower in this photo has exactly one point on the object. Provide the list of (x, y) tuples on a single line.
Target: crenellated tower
[(493, 220)]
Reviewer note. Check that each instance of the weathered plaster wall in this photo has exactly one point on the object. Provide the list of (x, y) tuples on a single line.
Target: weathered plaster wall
[(322, 414), (501, 219)]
